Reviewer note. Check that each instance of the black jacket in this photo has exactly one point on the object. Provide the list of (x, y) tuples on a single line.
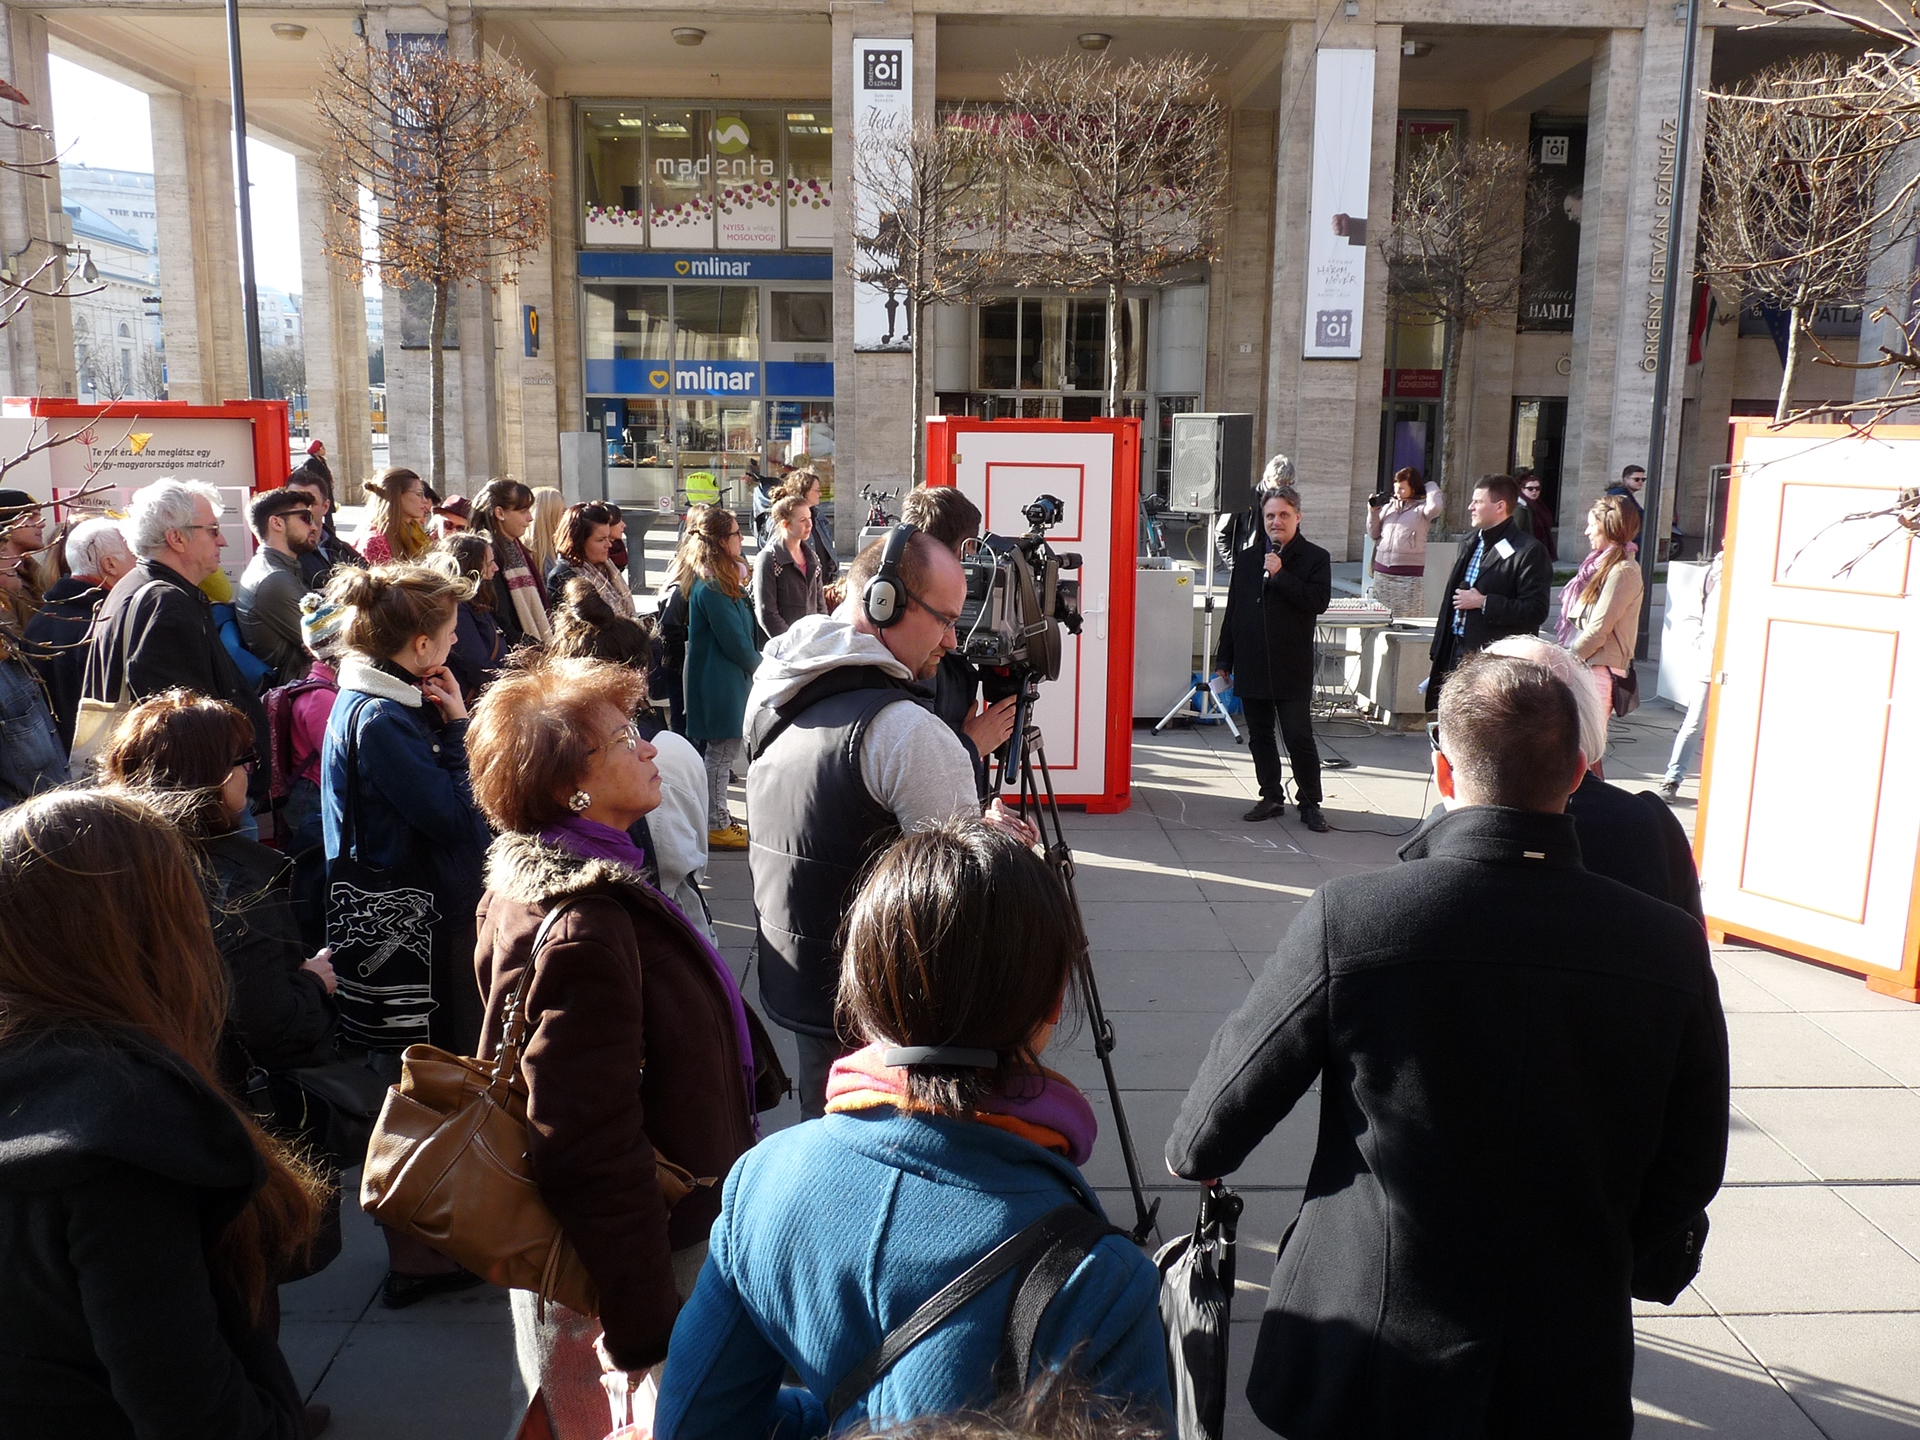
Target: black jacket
[(118, 1168), (1266, 642), (1517, 1104), (1518, 584), (279, 1016), (317, 565), (157, 631), (782, 591), (956, 689), (56, 643)]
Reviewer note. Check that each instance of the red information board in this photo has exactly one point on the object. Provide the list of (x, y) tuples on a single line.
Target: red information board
[(1086, 716)]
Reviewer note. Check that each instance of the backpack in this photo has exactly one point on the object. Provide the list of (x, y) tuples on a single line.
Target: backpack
[(253, 669), (279, 703)]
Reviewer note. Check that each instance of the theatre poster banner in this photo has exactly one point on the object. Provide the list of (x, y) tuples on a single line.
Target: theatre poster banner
[(1342, 175), (1550, 269), (882, 93)]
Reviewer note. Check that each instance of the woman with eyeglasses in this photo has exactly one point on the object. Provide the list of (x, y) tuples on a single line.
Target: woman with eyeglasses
[(640, 1047), (721, 659)]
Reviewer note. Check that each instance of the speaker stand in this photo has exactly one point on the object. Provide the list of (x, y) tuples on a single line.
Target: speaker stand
[(1200, 695)]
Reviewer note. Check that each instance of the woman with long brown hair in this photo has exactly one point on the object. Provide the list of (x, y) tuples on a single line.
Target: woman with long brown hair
[(503, 512), (1600, 608), (721, 659), (400, 507), (144, 1216)]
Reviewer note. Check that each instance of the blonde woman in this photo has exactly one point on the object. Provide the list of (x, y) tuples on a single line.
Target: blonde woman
[(549, 510), (397, 520), (1600, 608)]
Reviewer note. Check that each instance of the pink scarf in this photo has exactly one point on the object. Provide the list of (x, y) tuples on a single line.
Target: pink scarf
[(1051, 1112)]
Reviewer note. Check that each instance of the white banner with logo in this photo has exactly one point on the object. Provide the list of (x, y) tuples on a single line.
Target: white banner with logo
[(882, 92), (1337, 225)]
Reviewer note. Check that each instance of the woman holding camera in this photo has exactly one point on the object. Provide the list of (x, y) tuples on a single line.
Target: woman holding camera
[(943, 1137), (1398, 522)]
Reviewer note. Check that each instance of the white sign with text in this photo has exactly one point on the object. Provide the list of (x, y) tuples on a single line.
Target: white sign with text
[(1337, 224)]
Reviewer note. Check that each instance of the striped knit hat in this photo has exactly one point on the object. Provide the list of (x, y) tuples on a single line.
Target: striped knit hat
[(321, 622)]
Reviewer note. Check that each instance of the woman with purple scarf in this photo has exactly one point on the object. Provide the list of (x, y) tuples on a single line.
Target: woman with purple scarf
[(944, 1136), (639, 1048)]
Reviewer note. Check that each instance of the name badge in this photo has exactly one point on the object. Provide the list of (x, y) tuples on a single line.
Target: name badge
[(1504, 549)]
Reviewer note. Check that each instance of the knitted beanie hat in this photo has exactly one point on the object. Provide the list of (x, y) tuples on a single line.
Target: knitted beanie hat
[(321, 623)]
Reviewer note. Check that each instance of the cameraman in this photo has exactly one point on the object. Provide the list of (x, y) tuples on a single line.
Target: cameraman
[(847, 756), (944, 514), (1281, 583)]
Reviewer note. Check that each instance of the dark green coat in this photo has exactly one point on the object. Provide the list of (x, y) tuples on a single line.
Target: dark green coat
[(721, 659)]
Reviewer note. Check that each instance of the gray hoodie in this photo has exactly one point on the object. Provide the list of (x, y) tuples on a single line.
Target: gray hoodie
[(909, 760)]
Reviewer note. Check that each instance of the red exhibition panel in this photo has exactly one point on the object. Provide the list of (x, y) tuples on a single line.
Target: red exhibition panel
[(1086, 716)]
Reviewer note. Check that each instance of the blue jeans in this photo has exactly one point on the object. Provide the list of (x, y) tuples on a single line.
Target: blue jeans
[(1686, 745)]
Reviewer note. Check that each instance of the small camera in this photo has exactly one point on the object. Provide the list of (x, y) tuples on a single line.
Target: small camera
[(1379, 498), (1046, 512)]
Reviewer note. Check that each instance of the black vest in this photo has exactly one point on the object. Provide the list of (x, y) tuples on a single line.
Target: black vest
[(815, 827)]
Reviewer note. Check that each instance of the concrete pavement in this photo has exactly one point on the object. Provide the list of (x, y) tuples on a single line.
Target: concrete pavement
[(1805, 1319)]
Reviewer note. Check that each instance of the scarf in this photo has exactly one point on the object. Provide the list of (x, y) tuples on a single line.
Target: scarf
[(529, 607), (615, 594), (591, 840), (1570, 597), (1050, 1112)]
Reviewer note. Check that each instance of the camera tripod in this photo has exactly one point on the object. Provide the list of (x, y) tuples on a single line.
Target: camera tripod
[(1025, 756)]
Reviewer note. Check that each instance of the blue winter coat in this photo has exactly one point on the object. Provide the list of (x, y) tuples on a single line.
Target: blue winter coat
[(835, 1231), (721, 659), (32, 758)]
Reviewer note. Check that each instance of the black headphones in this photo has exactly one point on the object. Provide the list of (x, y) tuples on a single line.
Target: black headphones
[(884, 601)]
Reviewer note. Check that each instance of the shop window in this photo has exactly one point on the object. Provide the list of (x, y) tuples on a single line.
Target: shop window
[(1168, 407), (999, 345), (746, 179), (613, 176), (809, 179), (802, 317), (716, 322), (1059, 343), (679, 180)]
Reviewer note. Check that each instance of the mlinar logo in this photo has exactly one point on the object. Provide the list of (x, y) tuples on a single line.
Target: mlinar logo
[(705, 377), (714, 269)]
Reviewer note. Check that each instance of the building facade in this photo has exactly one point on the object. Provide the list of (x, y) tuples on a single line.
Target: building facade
[(693, 307)]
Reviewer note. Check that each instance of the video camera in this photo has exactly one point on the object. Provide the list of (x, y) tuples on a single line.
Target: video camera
[(1017, 603)]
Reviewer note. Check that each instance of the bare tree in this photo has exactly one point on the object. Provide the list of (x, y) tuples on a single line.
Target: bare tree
[(1793, 209), (1115, 175), (927, 190), (286, 371), (449, 151), (1462, 214)]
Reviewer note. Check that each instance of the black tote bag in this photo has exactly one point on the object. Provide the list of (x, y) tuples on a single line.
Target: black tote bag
[(1196, 1310), (382, 927)]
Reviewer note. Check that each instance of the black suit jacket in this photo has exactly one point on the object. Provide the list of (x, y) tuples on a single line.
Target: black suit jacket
[(1523, 1089), (1266, 640), (1518, 586)]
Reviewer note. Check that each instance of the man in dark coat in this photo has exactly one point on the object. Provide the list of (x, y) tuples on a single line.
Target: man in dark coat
[(56, 639), (1523, 1108), (157, 632), (1502, 584), (1281, 583)]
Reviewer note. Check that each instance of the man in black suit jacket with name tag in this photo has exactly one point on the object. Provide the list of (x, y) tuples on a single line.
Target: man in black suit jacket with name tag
[(1501, 585)]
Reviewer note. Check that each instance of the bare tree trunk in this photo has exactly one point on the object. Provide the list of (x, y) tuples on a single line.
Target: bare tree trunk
[(1449, 408), (1113, 351), (437, 392), (1794, 318), (916, 314)]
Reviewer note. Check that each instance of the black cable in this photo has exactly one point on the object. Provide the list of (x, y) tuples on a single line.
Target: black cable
[(1420, 820)]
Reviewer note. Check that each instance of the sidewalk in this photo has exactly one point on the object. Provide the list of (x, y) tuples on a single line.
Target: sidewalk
[(1805, 1321)]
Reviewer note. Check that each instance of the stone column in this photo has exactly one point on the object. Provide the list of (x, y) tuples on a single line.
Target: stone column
[(1889, 287), (1326, 413), (563, 293), (201, 314), (334, 327), (1242, 272), (36, 357), (1632, 164), (529, 446), (1485, 415)]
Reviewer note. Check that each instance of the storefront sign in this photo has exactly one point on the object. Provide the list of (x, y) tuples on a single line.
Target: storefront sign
[(786, 377), (1342, 178), (673, 377), (1665, 161), (1550, 270), (666, 265), (882, 94), (1411, 384)]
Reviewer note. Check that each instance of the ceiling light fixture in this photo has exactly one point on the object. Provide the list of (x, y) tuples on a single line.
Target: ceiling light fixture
[(1414, 49), (1094, 40), (688, 35), (287, 30)]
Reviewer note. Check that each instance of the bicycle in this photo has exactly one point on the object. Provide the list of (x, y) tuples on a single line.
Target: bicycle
[(876, 498)]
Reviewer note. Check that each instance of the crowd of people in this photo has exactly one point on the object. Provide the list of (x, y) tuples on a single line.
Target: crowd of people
[(451, 782)]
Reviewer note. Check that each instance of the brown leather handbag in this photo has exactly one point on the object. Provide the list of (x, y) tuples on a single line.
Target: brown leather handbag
[(448, 1165)]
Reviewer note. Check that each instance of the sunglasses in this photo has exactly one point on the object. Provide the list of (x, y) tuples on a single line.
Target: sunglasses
[(1433, 735), (250, 761)]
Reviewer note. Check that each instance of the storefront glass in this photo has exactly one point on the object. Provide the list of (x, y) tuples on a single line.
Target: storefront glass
[(716, 322), (1059, 344), (688, 178)]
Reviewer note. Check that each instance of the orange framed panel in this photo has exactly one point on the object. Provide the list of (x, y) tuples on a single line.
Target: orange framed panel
[(946, 438), (1897, 609), (271, 433)]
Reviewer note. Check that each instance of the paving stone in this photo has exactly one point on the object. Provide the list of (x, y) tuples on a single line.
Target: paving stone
[(1272, 880), (1171, 927), (1210, 981), (1800, 1248), (1842, 1134), (1257, 929), (1791, 1050), (1808, 987), (310, 1346), (1739, 995), (1692, 1377), (426, 1378), (1755, 1157), (1103, 879), (1889, 1038), (1895, 1209), (1854, 1374)]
